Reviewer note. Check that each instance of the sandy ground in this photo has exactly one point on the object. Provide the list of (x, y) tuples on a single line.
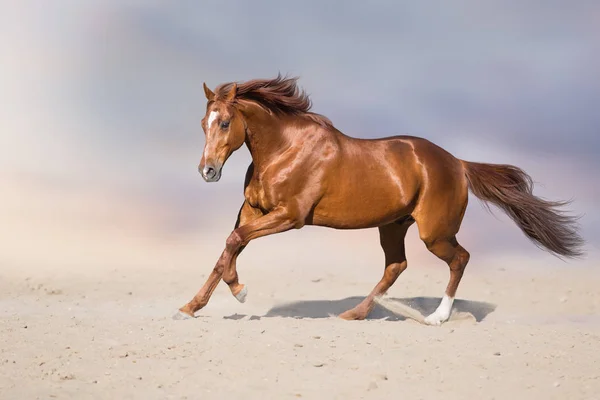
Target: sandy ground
[(517, 333)]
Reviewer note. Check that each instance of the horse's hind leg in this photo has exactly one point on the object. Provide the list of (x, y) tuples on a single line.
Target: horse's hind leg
[(439, 214), (437, 228), (391, 237), (457, 258)]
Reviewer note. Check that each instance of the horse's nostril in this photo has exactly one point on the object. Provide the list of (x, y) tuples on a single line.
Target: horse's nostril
[(209, 172)]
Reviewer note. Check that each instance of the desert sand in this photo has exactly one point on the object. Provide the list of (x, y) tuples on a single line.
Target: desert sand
[(520, 330)]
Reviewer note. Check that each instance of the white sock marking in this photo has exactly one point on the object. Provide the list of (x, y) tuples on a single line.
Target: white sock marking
[(442, 313)]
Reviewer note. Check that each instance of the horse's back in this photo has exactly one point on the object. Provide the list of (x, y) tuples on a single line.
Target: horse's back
[(377, 181), (371, 182)]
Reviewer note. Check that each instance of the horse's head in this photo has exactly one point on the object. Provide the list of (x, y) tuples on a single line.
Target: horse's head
[(225, 132)]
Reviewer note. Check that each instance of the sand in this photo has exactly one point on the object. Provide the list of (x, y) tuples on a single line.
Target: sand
[(107, 333)]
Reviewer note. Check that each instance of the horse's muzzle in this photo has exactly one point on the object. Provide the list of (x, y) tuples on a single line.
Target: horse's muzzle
[(210, 173)]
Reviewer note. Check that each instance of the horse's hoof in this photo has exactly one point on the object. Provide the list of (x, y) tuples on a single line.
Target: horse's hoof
[(351, 315), (180, 316), (435, 319), (241, 296)]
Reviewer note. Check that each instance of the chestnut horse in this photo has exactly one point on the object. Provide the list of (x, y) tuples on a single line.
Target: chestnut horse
[(306, 172)]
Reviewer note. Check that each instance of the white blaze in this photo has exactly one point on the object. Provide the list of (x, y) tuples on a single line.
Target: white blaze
[(211, 117)]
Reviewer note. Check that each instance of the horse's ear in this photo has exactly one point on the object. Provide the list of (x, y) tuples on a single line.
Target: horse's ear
[(232, 92), (209, 93)]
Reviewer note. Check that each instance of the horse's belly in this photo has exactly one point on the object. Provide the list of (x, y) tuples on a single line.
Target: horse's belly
[(364, 209), (370, 189)]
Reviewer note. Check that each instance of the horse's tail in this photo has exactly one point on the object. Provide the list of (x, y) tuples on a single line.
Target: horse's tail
[(511, 189)]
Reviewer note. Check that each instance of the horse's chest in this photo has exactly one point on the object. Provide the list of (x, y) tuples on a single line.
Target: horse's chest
[(258, 196)]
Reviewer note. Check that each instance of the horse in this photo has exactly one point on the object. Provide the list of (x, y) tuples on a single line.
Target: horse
[(304, 171)]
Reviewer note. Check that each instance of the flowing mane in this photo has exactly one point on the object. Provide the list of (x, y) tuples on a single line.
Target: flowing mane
[(280, 95)]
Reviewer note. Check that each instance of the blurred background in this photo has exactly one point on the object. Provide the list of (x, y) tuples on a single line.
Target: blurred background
[(101, 103)]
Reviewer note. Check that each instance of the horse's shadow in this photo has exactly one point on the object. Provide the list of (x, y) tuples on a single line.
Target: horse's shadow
[(328, 308)]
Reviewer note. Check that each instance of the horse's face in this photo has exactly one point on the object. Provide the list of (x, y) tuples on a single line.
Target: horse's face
[(225, 132)]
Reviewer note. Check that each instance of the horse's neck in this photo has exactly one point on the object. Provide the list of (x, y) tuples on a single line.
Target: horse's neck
[(264, 137)]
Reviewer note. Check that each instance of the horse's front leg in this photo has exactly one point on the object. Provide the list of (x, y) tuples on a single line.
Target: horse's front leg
[(246, 215), (279, 220)]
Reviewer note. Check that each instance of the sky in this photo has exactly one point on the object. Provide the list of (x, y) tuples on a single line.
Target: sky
[(100, 133)]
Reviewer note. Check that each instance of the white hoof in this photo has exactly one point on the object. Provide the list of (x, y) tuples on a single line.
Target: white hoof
[(435, 319), (241, 296), (442, 313), (180, 316)]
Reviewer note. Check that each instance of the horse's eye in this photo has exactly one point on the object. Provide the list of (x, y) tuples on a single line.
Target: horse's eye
[(224, 124)]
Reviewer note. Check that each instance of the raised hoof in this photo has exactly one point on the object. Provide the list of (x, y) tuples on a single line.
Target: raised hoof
[(241, 296), (180, 316)]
